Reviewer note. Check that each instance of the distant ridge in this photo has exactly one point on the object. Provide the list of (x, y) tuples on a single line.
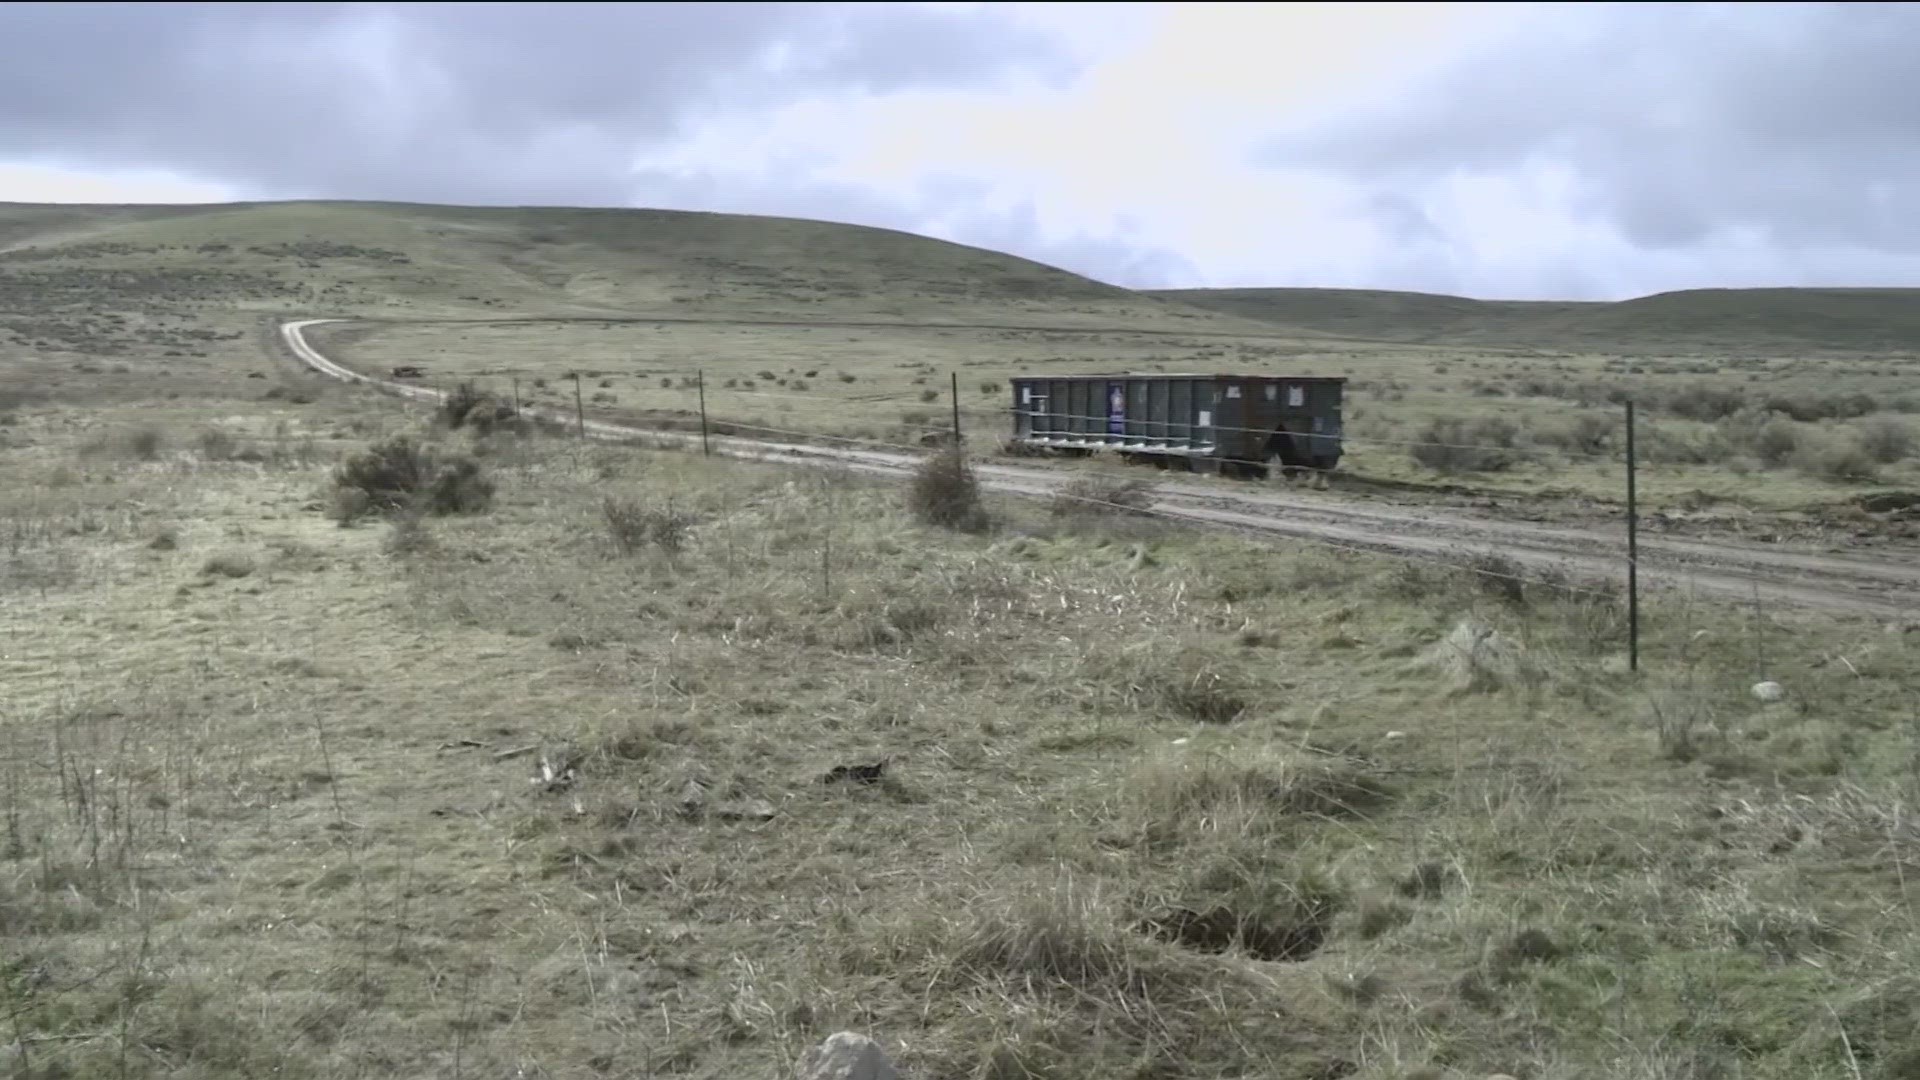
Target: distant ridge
[(1815, 318)]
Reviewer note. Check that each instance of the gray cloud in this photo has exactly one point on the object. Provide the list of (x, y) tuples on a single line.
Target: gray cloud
[(478, 103), (1682, 126)]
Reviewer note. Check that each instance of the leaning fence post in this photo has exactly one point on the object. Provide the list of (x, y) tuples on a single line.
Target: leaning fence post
[(579, 410), (701, 376), (955, 376)]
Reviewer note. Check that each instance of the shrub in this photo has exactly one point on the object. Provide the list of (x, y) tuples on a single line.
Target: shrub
[(1449, 444), (1807, 407), (233, 564), (1585, 433), (945, 493), (1095, 495), (1661, 446), (401, 475), (217, 444), (1776, 441), (846, 376), (633, 526), (469, 406), (928, 396), (145, 443), (1704, 401), (1842, 459), (1887, 440), (459, 486), (989, 387), (409, 536)]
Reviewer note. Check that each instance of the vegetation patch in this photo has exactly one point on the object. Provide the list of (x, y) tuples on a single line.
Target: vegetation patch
[(403, 475)]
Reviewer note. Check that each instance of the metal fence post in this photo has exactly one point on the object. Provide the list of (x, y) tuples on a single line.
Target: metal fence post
[(955, 376)]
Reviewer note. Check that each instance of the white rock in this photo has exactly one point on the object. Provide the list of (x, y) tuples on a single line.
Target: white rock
[(1396, 736), (1769, 691), (847, 1056), (1179, 742)]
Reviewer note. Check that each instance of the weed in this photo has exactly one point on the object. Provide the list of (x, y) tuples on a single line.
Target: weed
[(230, 564), (470, 407), (633, 525), (946, 494), (1452, 445), (217, 444), (146, 443), (408, 537), (1887, 440), (1841, 458), (1776, 441), (1097, 495)]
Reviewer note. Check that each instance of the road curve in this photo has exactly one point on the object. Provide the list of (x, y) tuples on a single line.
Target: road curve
[(1885, 588)]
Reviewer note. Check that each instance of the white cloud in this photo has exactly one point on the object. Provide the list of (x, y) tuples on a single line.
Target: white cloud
[(45, 184)]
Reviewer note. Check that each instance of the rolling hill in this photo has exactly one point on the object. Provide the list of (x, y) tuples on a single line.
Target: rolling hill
[(1833, 319), (415, 260), (106, 280)]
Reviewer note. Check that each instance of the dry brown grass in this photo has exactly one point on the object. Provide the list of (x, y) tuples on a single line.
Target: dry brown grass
[(485, 796)]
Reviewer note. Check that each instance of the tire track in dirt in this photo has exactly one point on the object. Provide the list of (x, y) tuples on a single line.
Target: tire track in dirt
[(1884, 588)]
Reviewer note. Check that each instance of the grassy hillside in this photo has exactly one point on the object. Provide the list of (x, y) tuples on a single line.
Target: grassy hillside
[(1840, 319), (98, 279)]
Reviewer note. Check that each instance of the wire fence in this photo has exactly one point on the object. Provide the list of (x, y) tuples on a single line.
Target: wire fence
[(1097, 424), (692, 406)]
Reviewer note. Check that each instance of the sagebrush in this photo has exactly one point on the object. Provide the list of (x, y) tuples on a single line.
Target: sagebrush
[(404, 475)]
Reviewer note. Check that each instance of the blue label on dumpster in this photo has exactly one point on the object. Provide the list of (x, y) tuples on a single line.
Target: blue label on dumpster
[(1116, 409)]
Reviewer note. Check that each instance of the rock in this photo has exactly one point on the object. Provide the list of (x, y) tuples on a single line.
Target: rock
[(693, 799), (1475, 656), (847, 1056), (858, 774), (1769, 692), (1396, 736), (745, 810)]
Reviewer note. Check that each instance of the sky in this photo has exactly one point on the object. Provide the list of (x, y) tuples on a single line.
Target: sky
[(1576, 151)]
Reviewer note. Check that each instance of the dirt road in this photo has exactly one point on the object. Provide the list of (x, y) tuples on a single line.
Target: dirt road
[(1885, 587)]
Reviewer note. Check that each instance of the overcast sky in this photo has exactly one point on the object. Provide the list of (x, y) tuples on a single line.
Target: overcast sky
[(1554, 150)]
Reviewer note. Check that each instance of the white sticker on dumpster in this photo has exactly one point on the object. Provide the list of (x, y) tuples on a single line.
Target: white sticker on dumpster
[(1206, 417), (1026, 395)]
